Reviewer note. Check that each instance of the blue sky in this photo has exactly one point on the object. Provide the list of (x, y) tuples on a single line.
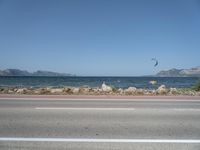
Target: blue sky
[(99, 37)]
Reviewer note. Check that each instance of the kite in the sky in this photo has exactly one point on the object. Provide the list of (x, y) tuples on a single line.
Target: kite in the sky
[(156, 61)]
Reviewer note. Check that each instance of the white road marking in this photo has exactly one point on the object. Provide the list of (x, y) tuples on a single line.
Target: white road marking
[(82, 140), (74, 108), (106, 109), (186, 109)]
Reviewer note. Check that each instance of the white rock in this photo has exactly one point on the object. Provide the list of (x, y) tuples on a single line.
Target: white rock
[(10, 91), (20, 91), (162, 89), (120, 90), (36, 91), (85, 90), (15, 90), (95, 90), (106, 88), (75, 90), (67, 90), (130, 90), (56, 91)]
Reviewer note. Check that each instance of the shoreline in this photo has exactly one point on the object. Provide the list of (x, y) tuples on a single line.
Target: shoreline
[(104, 90)]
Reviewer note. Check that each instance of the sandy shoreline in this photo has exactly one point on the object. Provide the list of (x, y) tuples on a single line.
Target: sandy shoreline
[(102, 92)]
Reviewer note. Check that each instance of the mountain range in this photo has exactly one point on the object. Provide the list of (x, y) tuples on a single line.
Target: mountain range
[(17, 72), (192, 72)]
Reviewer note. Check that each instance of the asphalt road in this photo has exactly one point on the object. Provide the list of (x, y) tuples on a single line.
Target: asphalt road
[(99, 124)]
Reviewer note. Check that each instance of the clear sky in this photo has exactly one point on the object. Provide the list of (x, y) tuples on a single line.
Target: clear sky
[(99, 37)]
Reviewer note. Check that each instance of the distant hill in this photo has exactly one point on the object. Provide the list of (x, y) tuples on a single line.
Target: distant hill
[(193, 72), (17, 72)]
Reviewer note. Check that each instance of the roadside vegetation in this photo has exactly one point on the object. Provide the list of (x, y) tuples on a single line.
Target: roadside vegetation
[(196, 87)]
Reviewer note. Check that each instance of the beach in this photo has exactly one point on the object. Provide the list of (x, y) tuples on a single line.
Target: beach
[(103, 90), (114, 86)]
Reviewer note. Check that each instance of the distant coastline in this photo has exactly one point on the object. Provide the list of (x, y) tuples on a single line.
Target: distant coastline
[(18, 72), (192, 72)]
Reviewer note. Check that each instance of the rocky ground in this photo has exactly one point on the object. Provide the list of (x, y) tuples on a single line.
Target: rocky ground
[(103, 90)]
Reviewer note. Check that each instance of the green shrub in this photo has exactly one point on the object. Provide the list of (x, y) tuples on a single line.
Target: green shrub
[(196, 87), (113, 88)]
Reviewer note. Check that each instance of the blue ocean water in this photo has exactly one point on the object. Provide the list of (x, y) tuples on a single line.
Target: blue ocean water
[(118, 82)]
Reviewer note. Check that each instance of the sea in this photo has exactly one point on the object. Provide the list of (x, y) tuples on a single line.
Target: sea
[(117, 82)]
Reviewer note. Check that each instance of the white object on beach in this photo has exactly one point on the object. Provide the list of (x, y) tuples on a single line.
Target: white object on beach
[(75, 90), (162, 89), (153, 82), (58, 90), (106, 88), (130, 90)]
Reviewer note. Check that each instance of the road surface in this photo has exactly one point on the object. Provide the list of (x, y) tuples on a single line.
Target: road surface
[(139, 124)]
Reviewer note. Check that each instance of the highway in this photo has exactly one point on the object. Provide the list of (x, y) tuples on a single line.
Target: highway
[(72, 124)]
